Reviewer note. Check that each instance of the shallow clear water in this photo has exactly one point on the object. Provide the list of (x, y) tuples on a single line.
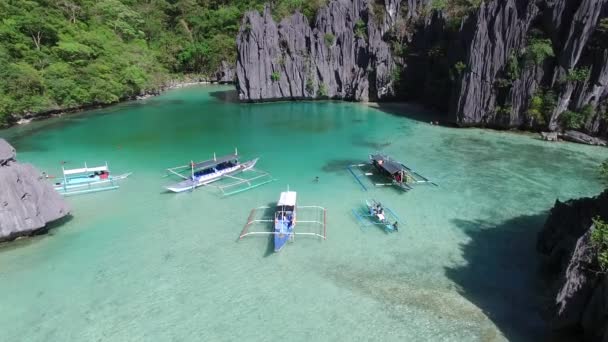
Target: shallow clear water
[(139, 264)]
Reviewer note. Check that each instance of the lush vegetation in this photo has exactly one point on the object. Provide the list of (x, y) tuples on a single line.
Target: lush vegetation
[(578, 75), (538, 50), (57, 54), (599, 240), (604, 171), (455, 10), (541, 106), (576, 119), (275, 76), (329, 39), (360, 29), (284, 8)]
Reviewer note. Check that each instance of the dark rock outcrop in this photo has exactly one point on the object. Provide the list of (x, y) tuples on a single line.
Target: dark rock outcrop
[(476, 64), (225, 74), (582, 138), (28, 201), (341, 56), (580, 291)]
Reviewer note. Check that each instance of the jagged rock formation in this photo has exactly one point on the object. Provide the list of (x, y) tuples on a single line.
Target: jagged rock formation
[(341, 56), (28, 201), (580, 292), (480, 65)]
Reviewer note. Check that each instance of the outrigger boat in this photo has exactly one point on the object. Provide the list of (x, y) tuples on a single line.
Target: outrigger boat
[(378, 214), (88, 179), (285, 221), (398, 173), (212, 170)]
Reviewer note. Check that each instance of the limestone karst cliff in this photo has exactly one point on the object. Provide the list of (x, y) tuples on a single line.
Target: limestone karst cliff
[(579, 290), (28, 201), (500, 63)]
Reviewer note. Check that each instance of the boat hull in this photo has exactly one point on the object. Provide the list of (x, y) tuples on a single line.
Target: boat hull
[(81, 185), (189, 184), (282, 234)]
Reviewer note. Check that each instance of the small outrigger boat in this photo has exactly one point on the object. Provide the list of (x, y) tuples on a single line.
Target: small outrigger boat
[(88, 179), (378, 214), (212, 170), (285, 221), (399, 175)]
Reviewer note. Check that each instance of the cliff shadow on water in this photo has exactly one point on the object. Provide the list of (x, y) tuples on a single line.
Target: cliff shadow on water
[(500, 274), (412, 111)]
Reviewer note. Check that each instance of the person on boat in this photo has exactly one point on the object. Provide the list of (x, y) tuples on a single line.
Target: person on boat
[(395, 226), (104, 175)]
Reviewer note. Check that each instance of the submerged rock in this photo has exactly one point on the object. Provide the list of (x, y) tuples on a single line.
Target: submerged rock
[(28, 201), (581, 291)]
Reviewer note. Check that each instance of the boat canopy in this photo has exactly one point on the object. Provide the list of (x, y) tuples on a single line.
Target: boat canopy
[(85, 170), (288, 198), (212, 162), (387, 164)]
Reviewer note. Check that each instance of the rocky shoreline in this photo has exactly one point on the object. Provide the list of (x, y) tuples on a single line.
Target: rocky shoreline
[(28, 202), (223, 77), (579, 292)]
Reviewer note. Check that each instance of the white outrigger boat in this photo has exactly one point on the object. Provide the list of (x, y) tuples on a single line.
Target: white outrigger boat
[(284, 221), (88, 179), (212, 170), (393, 172)]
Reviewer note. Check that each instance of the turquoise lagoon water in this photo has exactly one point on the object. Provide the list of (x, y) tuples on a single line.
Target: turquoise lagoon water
[(139, 264)]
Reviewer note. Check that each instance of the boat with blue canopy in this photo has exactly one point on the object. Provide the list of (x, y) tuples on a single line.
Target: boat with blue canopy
[(88, 179), (213, 170), (375, 213), (284, 220)]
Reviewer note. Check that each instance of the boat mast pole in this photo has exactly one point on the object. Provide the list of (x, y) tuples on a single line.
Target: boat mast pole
[(192, 173), (65, 179)]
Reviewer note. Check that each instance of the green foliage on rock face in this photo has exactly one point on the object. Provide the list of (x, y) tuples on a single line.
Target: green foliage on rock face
[(603, 25), (578, 75), (460, 67), (541, 106), (284, 8), (512, 67), (454, 10), (360, 29), (538, 50), (603, 171), (576, 120), (599, 240), (275, 76), (322, 92), (377, 11), (329, 39), (438, 5), (572, 119), (310, 86)]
